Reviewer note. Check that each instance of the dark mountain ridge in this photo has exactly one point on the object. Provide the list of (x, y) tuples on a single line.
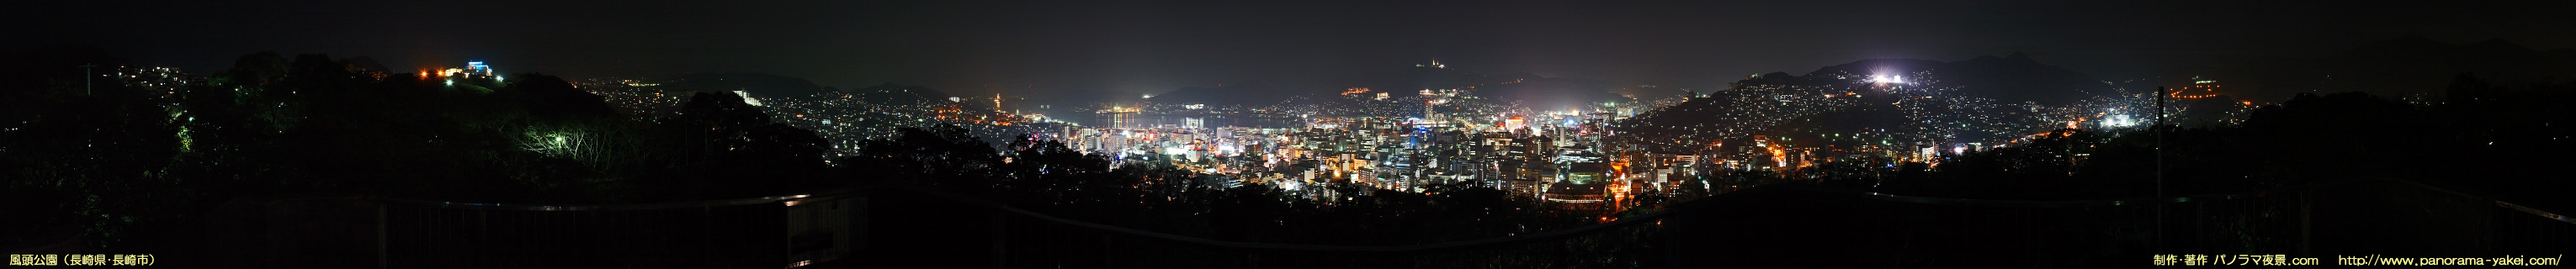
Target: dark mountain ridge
[(758, 84), (2410, 64), (2013, 78), (1538, 91)]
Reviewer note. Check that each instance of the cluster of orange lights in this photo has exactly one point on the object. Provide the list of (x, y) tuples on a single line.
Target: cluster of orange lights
[(2206, 91), (1778, 155), (442, 73)]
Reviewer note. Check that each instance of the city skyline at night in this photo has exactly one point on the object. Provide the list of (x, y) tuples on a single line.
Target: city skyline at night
[(475, 134)]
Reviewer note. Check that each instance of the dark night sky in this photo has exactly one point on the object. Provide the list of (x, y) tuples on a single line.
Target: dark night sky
[(1066, 47)]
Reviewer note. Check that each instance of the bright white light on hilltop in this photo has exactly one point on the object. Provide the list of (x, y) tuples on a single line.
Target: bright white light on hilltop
[(1888, 79), (746, 98), (2120, 121)]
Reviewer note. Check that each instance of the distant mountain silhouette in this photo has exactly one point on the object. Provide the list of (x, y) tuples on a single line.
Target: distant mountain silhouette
[(366, 64), (776, 86), (1549, 93), (1535, 90), (1815, 104), (897, 94), (2410, 64), (759, 85), (1250, 94), (2013, 78), (2563, 53)]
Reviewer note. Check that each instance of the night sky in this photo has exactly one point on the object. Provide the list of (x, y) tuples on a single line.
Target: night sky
[(1065, 47)]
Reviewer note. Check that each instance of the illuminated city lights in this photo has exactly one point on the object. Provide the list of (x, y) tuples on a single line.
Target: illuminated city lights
[(969, 135)]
